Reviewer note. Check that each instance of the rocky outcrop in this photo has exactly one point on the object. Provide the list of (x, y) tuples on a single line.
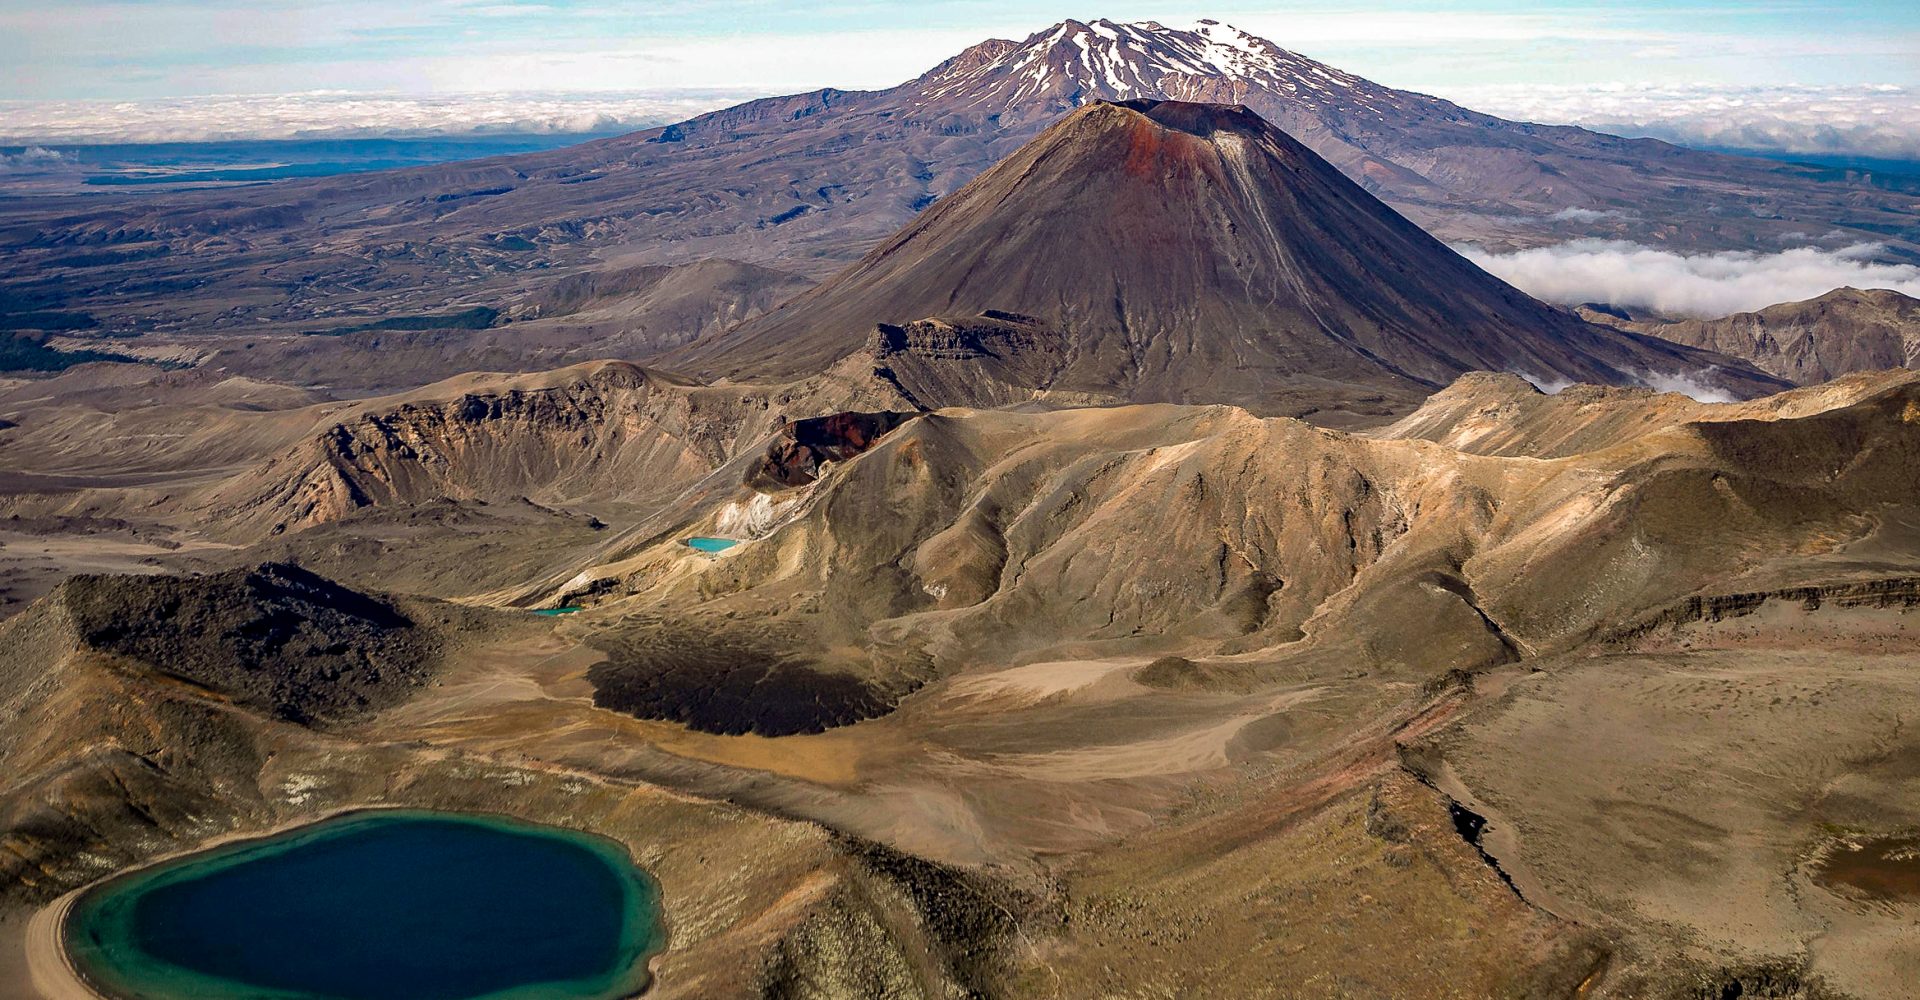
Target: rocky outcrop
[(992, 334), (1846, 330), (607, 433), (275, 638), (803, 446), (993, 359), (1888, 592)]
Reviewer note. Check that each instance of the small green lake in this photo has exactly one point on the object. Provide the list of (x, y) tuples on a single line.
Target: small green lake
[(550, 612), (383, 905), (706, 544)]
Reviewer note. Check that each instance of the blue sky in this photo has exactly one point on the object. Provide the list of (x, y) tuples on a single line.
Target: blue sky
[(135, 49)]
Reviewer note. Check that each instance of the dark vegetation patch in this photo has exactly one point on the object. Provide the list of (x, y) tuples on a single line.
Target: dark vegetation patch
[(275, 638), (480, 193), (475, 318), (788, 216), (729, 685), (47, 319), (149, 286), (31, 354), (19, 300), (856, 944), (80, 524), (101, 258)]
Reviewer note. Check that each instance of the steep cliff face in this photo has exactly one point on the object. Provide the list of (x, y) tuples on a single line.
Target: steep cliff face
[(603, 435), (1895, 592), (997, 358), (802, 447)]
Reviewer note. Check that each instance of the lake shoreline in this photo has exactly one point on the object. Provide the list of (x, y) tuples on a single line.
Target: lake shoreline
[(56, 972), (50, 966)]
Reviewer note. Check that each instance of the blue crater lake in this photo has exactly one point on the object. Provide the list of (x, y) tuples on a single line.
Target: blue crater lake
[(385, 905), (705, 544)]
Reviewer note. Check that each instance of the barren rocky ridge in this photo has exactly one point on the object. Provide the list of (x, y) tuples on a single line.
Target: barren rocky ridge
[(1056, 654), (810, 183)]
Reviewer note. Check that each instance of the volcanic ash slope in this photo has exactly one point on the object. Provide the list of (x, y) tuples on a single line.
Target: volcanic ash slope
[(968, 537), (1161, 251)]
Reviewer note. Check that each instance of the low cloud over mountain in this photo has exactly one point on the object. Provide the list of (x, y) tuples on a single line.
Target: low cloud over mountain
[(1860, 120), (32, 158), (1694, 285), (347, 116)]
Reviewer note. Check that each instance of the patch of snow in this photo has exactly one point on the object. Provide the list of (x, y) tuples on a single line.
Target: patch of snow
[(1145, 57), (298, 789)]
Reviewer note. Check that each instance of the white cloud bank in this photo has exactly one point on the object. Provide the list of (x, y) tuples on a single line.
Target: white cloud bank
[(33, 159), (1873, 120), (1695, 385), (1688, 385), (334, 115), (1697, 285)]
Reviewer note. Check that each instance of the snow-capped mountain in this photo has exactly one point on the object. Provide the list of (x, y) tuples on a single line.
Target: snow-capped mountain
[(1156, 251), (1072, 63), (1002, 84), (809, 182), (1461, 174)]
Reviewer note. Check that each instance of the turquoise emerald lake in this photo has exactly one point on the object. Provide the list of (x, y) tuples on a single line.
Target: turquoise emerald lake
[(712, 544), (386, 905)]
